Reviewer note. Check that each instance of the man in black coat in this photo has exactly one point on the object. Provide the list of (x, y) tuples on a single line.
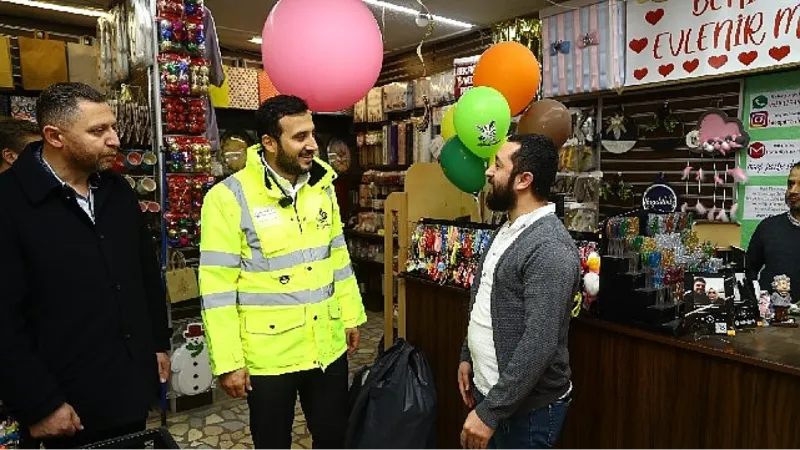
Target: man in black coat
[(82, 312)]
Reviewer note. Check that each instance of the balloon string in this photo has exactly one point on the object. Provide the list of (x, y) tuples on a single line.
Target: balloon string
[(428, 32), (477, 198), (383, 24)]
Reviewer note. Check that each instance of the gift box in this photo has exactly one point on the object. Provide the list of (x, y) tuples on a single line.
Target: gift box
[(584, 49)]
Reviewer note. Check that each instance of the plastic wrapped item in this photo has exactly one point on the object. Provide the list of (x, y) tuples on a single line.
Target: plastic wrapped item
[(186, 154), (375, 105), (171, 34), (442, 87), (184, 115), (195, 36), (394, 405), (447, 253), (397, 97), (182, 230), (422, 90), (170, 7), (587, 188), (198, 76), (360, 111), (193, 10), (174, 74), (580, 217)]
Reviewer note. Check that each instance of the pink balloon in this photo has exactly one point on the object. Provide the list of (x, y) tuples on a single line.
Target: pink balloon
[(327, 52)]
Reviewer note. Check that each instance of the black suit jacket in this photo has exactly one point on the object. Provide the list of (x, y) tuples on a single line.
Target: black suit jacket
[(82, 304)]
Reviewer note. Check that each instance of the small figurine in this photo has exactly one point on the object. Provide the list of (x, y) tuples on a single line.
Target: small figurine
[(764, 307), (190, 363), (781, 299)]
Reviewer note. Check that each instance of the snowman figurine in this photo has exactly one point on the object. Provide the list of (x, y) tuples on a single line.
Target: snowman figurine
[(190, 364)]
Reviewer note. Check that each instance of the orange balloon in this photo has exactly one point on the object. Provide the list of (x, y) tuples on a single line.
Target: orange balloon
[(512, 69)]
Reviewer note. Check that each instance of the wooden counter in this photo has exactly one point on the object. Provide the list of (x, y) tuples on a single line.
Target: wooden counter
[(635, 389)]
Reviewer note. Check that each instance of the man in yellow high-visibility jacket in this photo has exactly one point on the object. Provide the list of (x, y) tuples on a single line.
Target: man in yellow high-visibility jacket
[(281, 304)]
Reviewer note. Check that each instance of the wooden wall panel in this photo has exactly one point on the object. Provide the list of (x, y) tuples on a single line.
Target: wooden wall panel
[(643, 163)]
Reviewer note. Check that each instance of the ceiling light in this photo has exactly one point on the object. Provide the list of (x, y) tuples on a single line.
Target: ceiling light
[(255, 40), (59, 8), (415, 13)]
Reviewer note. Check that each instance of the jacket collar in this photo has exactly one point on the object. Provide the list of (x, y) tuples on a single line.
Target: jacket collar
[(321, 175), (36, 179)]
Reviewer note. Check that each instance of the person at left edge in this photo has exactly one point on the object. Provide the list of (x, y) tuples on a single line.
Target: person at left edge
[(83, 313), (280, 301)]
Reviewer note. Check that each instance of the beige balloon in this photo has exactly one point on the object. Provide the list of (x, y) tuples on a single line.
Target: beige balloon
[(547, 117)]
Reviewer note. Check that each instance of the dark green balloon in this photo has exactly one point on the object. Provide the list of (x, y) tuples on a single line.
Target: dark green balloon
[(462, 167)]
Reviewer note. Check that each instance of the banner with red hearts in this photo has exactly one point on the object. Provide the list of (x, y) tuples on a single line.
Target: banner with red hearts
[(671, 40)]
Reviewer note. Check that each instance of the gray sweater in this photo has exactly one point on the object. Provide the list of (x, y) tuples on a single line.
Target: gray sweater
[(532, 296)]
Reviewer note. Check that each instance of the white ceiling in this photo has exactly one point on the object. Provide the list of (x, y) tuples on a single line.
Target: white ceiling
[(237, 24)]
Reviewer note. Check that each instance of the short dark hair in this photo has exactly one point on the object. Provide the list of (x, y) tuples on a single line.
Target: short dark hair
[(58, 104), (795, 166), (273, 110), (701, 280), (13, 133), (538, 155)]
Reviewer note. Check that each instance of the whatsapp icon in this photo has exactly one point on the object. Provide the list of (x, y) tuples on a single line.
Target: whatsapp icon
[(760, 101)]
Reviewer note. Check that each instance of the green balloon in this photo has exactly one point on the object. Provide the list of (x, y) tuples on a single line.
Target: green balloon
[(482, 120), (465, 170)]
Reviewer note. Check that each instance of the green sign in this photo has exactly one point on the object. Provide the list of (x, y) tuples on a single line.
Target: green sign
[(772, 117)]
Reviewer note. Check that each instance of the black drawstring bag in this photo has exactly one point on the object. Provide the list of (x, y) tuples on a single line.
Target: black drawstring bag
[(394, 406)]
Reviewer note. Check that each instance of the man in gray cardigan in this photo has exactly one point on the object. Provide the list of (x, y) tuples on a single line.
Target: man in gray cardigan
[(516, 348)]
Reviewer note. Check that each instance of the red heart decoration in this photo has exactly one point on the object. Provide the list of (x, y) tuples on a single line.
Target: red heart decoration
[(718, 61), (637, 45), (747, 58), (653, 17), (691, 66), (778, 53), (639, 74), (666, 69)]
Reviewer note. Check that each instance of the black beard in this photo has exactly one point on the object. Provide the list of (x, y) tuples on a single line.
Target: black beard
[(288, 164), (501, 198), (792, 208)]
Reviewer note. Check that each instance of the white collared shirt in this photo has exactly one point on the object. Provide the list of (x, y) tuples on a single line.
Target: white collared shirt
[(287, 186), (479, 334)]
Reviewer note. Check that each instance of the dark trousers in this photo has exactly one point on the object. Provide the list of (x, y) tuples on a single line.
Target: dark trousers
[(535, 429), (323, 397), (84, 438)]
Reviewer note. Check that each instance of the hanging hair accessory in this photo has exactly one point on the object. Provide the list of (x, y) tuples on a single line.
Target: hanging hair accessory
[(559, 47), (722, 216), (687, 171), (700, 177), (588, 39), (700, 209), (738, 174)]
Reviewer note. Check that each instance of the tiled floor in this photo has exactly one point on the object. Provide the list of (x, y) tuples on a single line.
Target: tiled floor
[(225, 424)]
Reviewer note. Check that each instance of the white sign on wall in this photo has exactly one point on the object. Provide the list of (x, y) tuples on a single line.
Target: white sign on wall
[(772, 158), (677, 39), (761, 202)]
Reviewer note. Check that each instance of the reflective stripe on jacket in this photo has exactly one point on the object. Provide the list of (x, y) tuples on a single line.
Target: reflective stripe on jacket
[(277, 286)]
